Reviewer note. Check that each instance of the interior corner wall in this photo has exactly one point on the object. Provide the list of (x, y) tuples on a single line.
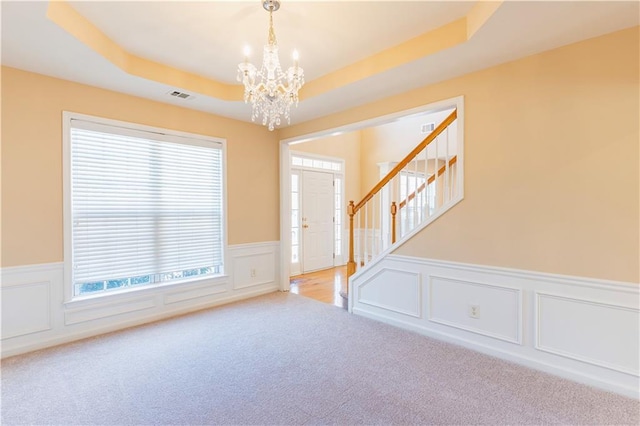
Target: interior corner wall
[(32, 202), (551, 178)]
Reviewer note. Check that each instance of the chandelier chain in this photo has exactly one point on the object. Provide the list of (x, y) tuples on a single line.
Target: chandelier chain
[(272, 33)]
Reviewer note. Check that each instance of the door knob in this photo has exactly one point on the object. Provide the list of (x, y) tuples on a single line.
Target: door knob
[(305, 226)]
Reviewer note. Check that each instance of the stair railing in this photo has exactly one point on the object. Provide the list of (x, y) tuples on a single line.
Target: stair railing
[(409, 194)]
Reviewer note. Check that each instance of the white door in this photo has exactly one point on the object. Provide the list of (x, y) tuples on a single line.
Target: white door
[(317, 220)]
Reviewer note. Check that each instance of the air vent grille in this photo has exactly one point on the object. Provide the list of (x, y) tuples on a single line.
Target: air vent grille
[(179, 94), (428, 127)]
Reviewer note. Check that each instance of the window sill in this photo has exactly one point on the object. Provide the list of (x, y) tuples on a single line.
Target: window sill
[(150, 290)]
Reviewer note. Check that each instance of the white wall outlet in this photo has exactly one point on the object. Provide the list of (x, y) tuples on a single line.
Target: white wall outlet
[(253, 272), (474, 311)]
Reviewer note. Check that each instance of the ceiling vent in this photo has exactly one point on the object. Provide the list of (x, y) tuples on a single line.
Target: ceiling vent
[(428, 128), (181, 95)]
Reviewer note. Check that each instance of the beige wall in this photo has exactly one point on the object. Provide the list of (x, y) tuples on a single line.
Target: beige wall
[(551, 161), (32, 107), (345, 146)]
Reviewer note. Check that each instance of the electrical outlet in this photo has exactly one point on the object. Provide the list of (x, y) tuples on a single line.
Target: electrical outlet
[(474, 311), (253, 272)]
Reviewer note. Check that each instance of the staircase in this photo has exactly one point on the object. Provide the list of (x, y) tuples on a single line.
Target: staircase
[(418, 189)]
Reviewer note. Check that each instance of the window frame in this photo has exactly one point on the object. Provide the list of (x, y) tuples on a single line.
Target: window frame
[(163, 135)]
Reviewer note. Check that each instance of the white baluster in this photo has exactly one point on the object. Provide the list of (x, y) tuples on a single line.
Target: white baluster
[(357, 235), (374, 238), (447, 190), (436, 168), (426, 181), (415, 191)]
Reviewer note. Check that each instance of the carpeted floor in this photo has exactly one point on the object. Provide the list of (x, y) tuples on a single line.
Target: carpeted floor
[(285, 359)]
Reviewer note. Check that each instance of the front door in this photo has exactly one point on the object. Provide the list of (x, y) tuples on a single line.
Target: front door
[(317, 220)]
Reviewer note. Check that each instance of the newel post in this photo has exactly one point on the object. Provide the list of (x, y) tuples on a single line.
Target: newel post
[(394, 210), (351, 264)]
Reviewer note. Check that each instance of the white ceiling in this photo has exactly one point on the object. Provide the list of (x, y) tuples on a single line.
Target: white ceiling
[(207, 38)]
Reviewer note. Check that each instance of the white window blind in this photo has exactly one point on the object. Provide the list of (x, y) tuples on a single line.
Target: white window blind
[(145, 207)]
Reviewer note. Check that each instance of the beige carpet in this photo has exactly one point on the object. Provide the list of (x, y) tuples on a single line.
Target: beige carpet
[(285, 359)]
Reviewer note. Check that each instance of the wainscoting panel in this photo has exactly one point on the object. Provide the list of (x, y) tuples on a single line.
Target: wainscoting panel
[(100, 309), (203, 290), (578, 328), (253, 265), (485, 309), (574, 328), (393, 290), (16, 320), (35, 316)]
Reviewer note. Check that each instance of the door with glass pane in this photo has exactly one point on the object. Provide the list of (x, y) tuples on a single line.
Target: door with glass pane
[(317, 224)]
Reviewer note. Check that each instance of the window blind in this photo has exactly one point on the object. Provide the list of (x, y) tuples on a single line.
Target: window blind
[(143, 204)]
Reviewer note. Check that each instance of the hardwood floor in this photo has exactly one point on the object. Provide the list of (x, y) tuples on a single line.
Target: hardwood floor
[(323, 286)]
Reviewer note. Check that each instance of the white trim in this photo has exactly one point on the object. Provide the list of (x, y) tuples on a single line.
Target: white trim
[(377, 121), (517, 291), (586, 360), (574, 374), (285, 217), (537, 335), (264, 244), (11, 271), (91, 316), (627, 287), (122, 296), (385, 306)]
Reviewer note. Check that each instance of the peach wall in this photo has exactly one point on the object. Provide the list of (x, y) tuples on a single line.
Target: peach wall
[(551, 161), (345, 146), (32, 106)]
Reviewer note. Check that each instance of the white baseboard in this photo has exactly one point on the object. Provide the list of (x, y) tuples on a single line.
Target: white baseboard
[(35, 317), (582, 329)]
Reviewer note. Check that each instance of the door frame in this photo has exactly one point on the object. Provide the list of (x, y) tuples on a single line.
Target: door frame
[(285, 167), (338, 259)]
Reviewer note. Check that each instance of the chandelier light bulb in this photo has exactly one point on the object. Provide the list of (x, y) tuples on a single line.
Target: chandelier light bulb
[(246, 51), (270, 90)]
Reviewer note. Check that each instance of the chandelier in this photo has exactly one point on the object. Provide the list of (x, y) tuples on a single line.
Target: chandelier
[(270, 90)]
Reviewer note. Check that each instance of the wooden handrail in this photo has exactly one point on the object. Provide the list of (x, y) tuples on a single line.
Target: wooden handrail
[(406, 160), (353, 208), (421, 188)]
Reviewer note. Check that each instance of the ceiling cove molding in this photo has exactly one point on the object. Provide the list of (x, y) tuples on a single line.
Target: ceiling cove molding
[(67, 18), (442, 38)]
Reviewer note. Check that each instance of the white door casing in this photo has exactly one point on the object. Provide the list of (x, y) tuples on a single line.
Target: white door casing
[(317, 220)]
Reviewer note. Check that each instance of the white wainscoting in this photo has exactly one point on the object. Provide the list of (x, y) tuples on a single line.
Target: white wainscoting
[(582, 329), (35, 316)]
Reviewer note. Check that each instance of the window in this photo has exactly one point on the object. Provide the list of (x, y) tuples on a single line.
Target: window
[(312, 163), (337, 216), (143, 206), (295, 218)]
